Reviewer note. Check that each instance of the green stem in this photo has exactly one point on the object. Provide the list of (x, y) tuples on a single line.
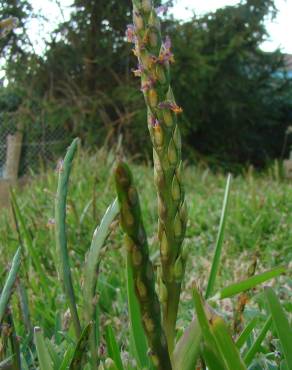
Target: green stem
[(154, 58), (170, 314), (61, 235)]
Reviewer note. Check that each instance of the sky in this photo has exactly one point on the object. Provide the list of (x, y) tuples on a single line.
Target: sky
[(280, 29)]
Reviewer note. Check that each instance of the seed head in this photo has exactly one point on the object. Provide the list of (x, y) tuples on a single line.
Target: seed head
[(170, 105), (130, 33)]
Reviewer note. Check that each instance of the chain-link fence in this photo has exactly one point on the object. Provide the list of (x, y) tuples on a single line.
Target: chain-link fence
[(33, 151)]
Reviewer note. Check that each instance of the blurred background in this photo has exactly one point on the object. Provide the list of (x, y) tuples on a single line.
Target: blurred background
[(66, 72)]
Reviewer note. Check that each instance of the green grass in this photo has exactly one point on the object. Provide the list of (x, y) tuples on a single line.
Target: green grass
[(258, 222)]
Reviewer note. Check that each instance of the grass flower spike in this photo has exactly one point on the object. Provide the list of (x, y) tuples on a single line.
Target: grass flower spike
[(154, 57), (143, 273)]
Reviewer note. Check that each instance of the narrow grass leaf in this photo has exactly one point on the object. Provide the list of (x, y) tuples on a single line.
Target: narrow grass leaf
[(113, 348), (45, 361), (246, 333), (187, 349), (67, 358), (257, 343), (54, 354), (219, 242), (93, 258), (203, 319), (281, 324), (210, 342), (61, 236), (9, 283), (23, 300), (26, 241), (91, 269), (136, 329), (14, 341), (229, 352), (211, 359), (80, 349), (249, 283)]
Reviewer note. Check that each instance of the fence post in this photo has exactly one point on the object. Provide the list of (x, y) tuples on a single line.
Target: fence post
[(14, 143)]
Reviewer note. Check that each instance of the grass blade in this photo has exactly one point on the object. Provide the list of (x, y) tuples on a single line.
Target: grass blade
[(204, 321), (24, 308), (113, 348), (211, 359), (67, 358), (246, 333), (80, 349), (249, 283), (187, 349), (61, 236), (45, 361), (281, 323), (217, 337), (219, 241), (257, 343), (9, 283), (227, 348), (136, 328), (91, 269), (15, 346), (26, 240)]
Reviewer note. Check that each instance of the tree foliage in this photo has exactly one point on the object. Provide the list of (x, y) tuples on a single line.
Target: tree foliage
[(235, 101), (235, 104)]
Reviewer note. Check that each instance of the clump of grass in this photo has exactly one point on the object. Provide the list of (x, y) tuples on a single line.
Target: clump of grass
[(74, 293)]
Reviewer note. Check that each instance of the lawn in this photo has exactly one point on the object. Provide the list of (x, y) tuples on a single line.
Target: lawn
[(258, 229)]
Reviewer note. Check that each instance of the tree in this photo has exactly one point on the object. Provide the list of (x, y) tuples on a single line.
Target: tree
[(83, 81), (236, 107), (235, 103)]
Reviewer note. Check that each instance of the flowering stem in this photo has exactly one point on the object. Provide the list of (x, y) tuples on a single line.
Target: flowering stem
[(143, 274), (154, 58)]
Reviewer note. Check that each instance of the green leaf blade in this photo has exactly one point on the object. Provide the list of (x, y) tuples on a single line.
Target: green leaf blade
[(249, 283), (80, 348), (257, 343), (246, 333), (211, 359), (9, 283), (61, 235), (227, 348), (113, 348), (281, 323), (219, 241), (187, 349), (45, 361), (90, 273)]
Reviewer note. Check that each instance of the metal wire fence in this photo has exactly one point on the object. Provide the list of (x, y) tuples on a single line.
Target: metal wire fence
[(38, 150)]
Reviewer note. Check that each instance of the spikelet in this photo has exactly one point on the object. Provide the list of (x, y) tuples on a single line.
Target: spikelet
[(143, 274)]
